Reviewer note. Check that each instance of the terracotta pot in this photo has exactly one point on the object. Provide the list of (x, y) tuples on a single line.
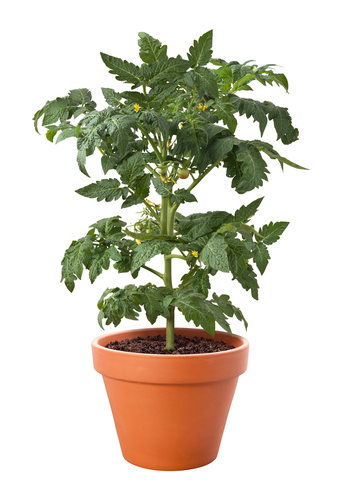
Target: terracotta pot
[(170, 411)]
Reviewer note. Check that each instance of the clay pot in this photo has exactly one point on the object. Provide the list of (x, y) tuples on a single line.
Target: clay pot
[(170, 411)]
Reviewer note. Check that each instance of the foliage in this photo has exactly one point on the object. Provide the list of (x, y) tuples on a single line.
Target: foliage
[(178, 120)]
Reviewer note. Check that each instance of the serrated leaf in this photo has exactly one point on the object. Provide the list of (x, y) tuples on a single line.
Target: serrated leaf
[(111, 97), (254, 168), (108, 163), (81, 97), (76, 257), (206, 81), (152, 300), (200, 282), (260, 256), (271, 232), (151, 49), (167, 71), (181, 196), (214, 253), (253, 108), (159, 121), (244, 213), (131, 169), (147, 250), (201, 50), (106, 189), (164, 189), (196, 225), (228, 308), (225, 112), (194, 309), (222, 147), (124, 71), (141, 188), (118, 128), (65, 134), (109, 227)]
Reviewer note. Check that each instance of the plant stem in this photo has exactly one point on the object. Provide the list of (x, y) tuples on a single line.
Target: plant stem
[(160, 275), (167, 227)]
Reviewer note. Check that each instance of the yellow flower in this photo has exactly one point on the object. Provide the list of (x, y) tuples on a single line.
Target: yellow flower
[(168, 143), (194, 253), (203, 108), (138, 242), (150, 203), (137, 108), (180, 125)]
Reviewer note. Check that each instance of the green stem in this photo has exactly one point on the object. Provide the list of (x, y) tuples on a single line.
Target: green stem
[(144, 132), (175, 256), (167, 227), (160, 275)]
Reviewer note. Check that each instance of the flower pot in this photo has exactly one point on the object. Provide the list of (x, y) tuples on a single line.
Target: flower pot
[(170, 411)]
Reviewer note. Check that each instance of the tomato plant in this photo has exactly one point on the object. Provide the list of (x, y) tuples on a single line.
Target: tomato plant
[(179, 116)]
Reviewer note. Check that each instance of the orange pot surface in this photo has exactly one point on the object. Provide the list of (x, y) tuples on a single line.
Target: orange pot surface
[(170, 411)]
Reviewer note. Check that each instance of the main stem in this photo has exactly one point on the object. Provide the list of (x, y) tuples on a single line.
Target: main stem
[(167, 227)]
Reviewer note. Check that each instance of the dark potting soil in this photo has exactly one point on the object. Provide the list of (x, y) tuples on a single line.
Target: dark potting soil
[(183, 345)]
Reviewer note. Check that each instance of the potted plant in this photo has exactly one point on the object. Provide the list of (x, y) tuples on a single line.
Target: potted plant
[(170, 393)]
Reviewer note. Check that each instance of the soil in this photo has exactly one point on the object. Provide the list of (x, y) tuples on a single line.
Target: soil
[(183, 345)]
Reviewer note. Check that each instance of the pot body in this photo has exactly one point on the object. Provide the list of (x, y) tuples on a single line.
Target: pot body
[(170, 411)]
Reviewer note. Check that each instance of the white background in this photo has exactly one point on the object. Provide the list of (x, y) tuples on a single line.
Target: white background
[(285, 435)]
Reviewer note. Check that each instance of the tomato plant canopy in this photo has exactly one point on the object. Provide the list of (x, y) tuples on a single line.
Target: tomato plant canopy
[(165, 134)]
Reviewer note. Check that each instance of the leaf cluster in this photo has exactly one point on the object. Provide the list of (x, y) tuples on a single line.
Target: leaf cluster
[(178, 113)]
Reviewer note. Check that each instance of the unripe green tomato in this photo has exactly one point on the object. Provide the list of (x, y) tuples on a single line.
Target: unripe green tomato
[(162, 170), (149, 230), (183, 173)]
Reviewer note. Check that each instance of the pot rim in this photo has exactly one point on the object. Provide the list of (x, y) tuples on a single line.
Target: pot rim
[(243, 346)]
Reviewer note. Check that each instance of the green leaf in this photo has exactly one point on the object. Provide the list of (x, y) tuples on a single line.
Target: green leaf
[(106, 189), (65, 134), (118, 127), (124, 71), (201, 50), (193, 307), (141, 188), (181, 196), (228, 308), (109, 228), (112, 98), (152, 300), (50, 134), (82, 97), (116, 304), (147, 250), (166, 71), (260, 256), (253, 168), (225, 112), (244, 213), (221, 147), (76, 256), (159, 121), (256, 109), (200, 282), (108, 163), (133, 168), (206, 81), (196, 225), (214, 253), (272, 232), (164, 189), (151, 49)]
